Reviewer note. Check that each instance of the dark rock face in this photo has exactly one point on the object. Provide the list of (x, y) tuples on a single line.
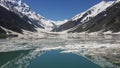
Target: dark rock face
[(105, 21), (12, 21)]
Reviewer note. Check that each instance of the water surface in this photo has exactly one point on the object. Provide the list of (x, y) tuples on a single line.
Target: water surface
[(61, 52), (55, 59)]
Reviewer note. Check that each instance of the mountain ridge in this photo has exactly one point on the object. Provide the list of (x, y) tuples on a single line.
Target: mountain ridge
[(22, 9), (80, 22), (104, 21), (18, 17)]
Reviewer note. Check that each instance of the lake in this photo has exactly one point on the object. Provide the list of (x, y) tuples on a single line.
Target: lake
[(85, 51)]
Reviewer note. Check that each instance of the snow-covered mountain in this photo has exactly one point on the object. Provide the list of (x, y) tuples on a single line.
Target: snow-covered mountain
[(16, 17), (85, 16), (24, 11), (11, 22), (93, 11), (107, 20)]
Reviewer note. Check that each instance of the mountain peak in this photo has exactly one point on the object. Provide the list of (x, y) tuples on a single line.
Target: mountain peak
[(93, 11), (85, 16), (23, 10)]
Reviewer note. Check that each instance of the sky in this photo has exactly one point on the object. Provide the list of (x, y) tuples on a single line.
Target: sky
[(60, 9)]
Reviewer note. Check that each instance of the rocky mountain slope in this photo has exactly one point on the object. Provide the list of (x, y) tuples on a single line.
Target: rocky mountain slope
[(13, 22), (17, 16), (24, 11), (108, 20), (83, 22)]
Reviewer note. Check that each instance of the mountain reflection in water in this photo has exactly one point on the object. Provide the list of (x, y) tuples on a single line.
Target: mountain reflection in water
[(95, 51)]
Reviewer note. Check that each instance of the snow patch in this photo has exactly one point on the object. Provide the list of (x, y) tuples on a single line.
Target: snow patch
[(58, 23)]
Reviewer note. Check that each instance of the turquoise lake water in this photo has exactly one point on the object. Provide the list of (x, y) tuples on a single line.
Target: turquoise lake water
[(55, 59), (50, 59), (80, 52)]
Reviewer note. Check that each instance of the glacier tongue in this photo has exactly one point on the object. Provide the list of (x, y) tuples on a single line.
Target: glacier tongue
[(93, 11), (23, 10)]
